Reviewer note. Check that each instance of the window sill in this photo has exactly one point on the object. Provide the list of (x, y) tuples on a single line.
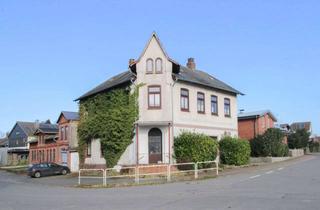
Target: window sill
[(201, 112), (149, 72), (228, 116), (154, 108), (215, 114), (185, 110)]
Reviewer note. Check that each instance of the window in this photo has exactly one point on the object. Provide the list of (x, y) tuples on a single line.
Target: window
[(66, 133), (214, 105), (89, 148), (149, 65), (158, 65), (200, 102), (154, 97), (184, 99), (54, 155), (62, 133), (227, 111)]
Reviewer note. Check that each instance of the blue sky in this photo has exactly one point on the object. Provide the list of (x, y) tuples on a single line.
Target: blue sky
[(53, 51)]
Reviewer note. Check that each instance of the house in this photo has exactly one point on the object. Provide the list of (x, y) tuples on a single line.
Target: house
[(57, 142), (173, 98), (251, 124), (4, 142), (43, 148), (301, 125), (21, 133)]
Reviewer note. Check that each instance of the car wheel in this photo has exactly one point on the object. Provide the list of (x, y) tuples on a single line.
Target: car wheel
[(37, 174), (64, 172)]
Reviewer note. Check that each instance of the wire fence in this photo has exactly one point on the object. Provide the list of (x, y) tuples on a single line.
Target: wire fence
[(137, 174)]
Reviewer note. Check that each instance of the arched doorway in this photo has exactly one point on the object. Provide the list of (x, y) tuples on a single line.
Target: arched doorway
[(155, 145)]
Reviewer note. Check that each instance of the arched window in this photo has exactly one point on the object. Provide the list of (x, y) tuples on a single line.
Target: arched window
[(158, 65), (149, 65)]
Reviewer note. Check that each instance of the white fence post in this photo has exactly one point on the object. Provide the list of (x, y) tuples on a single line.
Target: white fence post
[(196, 170), (136, 175), (104, 177), (79, 179), (217, 168), (169, 173)]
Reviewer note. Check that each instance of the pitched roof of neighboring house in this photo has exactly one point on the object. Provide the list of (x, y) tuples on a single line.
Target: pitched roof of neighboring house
[(180, 72), (301, 125), (251, 115), (47, 128), (69, 115), (27, 127), (4, 141)]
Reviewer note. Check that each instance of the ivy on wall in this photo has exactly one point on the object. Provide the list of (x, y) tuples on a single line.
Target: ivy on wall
[(110, 117)]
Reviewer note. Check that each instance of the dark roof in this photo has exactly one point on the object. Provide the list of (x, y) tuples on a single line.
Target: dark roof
[(4, 141), (69, 115), (202, 78), (47, 128), (250, 115), (119, 79), (300, 125), (185, 75), (28, 127)]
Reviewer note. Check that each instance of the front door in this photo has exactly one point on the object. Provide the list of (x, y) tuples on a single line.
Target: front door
[(155, 145), (64, 158)]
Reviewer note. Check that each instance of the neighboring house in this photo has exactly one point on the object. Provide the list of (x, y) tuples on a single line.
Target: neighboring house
[(18, 137), (251, 124), (301, 125), (4, 142), (43, 148), (174, 98), (57, 142)]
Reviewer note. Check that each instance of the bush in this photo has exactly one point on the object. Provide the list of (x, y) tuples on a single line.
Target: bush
[(314, 146), (298, 139), (234, 151), (269, 144), (194, 147)]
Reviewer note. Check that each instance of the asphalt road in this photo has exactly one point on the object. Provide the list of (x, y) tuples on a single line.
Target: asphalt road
[(290, 185)]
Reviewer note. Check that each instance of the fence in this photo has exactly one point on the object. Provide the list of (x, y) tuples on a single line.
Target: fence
[(140, 173)]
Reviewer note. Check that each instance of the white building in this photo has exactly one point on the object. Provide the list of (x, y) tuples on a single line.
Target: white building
[(174, 98)]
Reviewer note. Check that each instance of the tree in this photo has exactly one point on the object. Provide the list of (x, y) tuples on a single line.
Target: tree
[(269, 144), (298, 139)]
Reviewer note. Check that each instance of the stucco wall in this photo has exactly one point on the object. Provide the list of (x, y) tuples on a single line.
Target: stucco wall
[(95, 158)]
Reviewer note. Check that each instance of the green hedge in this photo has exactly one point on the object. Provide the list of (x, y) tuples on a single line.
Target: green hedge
[(269, 144), (299, 139), (314, 146), (194, 147), (234, 151)]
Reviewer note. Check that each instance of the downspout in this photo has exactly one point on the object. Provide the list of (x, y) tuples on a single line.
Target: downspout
[(172, 118), (137, 131)]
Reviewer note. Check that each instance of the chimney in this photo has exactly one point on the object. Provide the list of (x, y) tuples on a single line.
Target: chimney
[(191, 64), (131, 61)]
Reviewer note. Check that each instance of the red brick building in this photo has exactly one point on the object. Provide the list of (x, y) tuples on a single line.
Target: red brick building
[(57, 142), (251, 124)]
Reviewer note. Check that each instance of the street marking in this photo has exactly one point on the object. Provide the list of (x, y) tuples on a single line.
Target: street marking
[(279, 169), (269, 172), (256, 176)]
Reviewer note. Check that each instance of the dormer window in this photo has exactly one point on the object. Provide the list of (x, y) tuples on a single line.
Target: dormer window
[(158, 65), (149, 66)]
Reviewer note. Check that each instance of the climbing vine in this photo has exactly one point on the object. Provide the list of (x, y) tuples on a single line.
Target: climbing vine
[(110, 117)]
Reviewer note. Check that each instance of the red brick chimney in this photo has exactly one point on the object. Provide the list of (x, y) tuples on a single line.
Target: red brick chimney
[(191, 64)]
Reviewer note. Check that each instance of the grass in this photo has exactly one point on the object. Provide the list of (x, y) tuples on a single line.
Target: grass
[(16, 169)]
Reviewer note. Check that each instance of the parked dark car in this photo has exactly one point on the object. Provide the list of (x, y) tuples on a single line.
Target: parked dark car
[(47, 169)]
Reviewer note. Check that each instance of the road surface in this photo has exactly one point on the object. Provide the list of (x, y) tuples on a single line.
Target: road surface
[(289, 185)]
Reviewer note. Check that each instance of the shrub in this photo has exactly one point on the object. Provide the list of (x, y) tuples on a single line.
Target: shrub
[(314, 146), (234, 151), (194, 147), (298, 139), (269, 144)]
